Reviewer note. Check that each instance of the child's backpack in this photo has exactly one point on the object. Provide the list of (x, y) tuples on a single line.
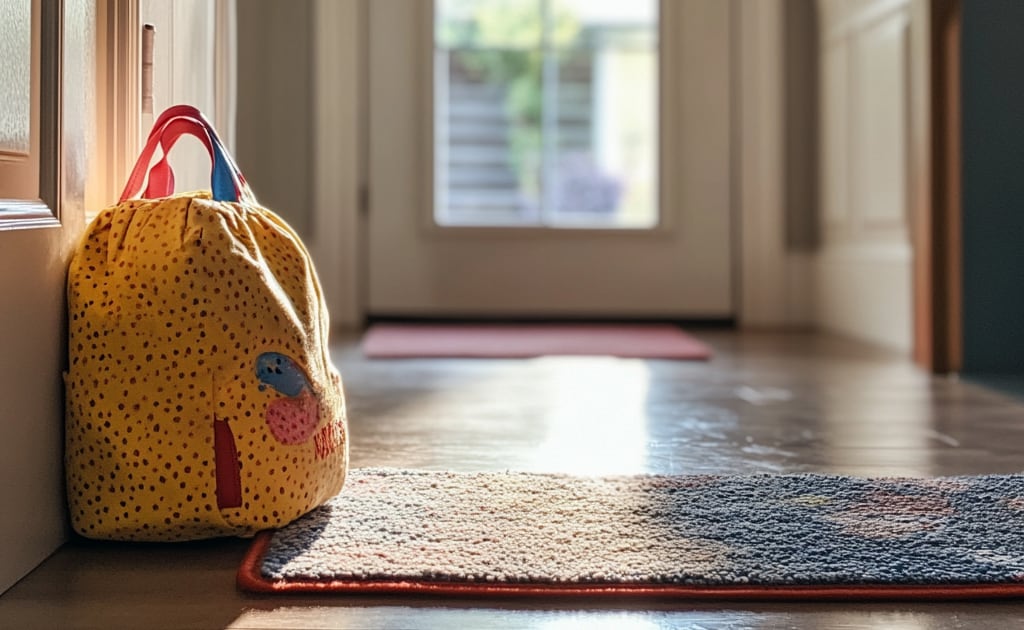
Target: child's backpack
[(201, 399)]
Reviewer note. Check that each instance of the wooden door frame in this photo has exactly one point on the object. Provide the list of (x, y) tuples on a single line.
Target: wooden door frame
[(118, 98), (938, 260)]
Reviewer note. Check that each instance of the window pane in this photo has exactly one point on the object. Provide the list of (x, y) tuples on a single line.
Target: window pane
[(604, 172), (488, 24), (546, 113), (487, 136), (631, 23)]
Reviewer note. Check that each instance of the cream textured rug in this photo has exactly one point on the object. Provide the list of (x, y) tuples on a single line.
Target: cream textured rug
[(757, 536)]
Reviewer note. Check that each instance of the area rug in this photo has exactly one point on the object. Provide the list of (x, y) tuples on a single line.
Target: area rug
[(760, 536), (644, 341)]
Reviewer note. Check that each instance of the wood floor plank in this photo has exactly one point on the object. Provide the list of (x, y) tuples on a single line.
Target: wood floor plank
[(795, 402)]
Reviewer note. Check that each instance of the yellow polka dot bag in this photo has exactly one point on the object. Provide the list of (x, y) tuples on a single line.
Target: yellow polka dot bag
[(201, 399)]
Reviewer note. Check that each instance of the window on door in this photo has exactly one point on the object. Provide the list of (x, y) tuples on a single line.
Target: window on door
[(546, 113), (29, 33), (19, 163)]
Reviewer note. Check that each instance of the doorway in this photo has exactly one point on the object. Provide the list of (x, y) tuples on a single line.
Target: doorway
[(538, 254)]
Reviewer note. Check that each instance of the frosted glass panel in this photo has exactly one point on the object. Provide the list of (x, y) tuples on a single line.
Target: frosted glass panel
[(15, 75), (79, 79)]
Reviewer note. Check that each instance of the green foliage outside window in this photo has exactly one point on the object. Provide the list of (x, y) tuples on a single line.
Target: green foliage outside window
[(502, 42)]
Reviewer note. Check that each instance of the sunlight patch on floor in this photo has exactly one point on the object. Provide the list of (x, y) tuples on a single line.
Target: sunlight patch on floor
[(595, 416)]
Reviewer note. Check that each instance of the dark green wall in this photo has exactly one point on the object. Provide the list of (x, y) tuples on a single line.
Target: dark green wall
[(993, 185)]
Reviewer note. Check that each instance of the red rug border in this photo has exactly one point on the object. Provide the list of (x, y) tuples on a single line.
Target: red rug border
[(250, 578)]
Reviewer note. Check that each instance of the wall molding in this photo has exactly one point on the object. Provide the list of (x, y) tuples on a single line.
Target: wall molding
[(337, 103), (874, 113), (118, 98), (850, 17), (774, 285), (225, 73)]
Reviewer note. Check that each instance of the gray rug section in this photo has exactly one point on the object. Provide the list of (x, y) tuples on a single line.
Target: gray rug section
[(781, 530)]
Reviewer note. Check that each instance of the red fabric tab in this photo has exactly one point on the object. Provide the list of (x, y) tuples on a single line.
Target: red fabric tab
[(229, 478)]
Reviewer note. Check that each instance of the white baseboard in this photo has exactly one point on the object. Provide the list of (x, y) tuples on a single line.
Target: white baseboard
[(866, 293)]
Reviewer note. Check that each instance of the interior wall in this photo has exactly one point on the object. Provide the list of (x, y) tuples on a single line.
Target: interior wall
[(33, 264), (992, 97), (800, 63), (275, 107)]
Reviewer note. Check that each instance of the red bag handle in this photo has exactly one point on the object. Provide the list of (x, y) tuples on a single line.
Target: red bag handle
[(228, 182), (161, 177), (165, 133)]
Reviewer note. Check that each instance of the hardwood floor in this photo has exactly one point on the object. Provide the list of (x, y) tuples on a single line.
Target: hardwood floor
[(766, 402)]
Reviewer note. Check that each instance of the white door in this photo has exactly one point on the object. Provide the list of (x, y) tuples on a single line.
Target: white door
[(873, 98), (43, 170), (549, 158)]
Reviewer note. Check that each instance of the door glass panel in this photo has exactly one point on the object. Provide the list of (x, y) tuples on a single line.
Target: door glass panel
[(546, 113), (15, 76)]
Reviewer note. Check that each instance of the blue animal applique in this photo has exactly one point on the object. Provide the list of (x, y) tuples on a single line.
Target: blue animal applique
[(281, 373)]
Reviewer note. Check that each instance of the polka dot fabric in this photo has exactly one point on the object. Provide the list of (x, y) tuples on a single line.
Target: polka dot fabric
[(201, 399)]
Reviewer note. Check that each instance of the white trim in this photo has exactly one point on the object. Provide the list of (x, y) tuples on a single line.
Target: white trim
[(225, 74), (774, 285), (864, 271), (843, 17), (337, 92), (119, 98), (866, 294)]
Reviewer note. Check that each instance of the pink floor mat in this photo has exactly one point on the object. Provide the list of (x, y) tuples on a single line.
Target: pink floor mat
[(643, 341)]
